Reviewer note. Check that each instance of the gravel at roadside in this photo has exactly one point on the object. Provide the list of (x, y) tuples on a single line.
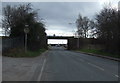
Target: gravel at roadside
[(21, 69)]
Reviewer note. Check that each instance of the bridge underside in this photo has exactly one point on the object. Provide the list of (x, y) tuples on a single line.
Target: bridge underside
[(71, 41), (59, 37)]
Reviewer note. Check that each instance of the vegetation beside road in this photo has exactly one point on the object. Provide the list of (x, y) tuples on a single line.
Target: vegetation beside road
[(18, 52), (22, 17), (99, 52), (103, 29)]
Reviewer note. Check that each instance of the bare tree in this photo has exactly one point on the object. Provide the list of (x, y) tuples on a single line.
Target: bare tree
[(17, 17), (83, 25)]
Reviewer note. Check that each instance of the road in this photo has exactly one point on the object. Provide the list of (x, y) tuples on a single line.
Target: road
[(64, 65), (0, 60), (58, 64)]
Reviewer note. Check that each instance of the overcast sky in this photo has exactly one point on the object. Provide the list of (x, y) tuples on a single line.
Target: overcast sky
[(58, 15)]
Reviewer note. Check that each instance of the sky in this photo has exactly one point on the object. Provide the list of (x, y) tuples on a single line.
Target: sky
[(60, 17), (57, 16)]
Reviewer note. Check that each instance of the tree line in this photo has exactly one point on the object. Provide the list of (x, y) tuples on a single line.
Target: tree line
[(17, 18), (105, 28)]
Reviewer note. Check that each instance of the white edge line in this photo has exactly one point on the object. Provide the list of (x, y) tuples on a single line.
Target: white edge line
[(39, 77)]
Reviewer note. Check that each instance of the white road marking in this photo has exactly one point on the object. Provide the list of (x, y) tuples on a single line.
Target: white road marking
[(96, 66), (39, 77), (117, 76)]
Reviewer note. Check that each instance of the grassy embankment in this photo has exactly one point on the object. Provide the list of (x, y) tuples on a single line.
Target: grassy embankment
[(21, 53), (100, 52)]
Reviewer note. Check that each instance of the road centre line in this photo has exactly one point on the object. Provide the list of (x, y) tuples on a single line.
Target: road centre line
[(100, 68), (96, 66), (117, 76)]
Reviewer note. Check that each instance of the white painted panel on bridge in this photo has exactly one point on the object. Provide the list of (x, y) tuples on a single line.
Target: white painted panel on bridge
[(57, 41)]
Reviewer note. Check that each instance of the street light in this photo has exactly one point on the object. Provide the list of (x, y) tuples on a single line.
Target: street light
[(26, 30)]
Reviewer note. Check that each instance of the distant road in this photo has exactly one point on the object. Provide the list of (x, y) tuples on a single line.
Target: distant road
[(64, 65)]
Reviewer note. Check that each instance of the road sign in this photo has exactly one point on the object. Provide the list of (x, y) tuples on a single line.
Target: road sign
[(26, 30)]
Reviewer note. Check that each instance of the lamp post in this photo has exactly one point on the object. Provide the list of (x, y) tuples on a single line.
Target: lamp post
[(26, 30)]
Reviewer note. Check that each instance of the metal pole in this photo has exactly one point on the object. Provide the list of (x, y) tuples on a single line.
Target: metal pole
[(25, 42), (78, 43)]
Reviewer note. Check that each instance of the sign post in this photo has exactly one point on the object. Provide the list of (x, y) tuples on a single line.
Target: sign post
[(26, 30)]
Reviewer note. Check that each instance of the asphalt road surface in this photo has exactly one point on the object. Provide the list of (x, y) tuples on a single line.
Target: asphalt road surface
[(0, 60), (64, 65)]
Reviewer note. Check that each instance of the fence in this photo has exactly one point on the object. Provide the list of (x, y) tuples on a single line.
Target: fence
[(89, 43), (9, 43)]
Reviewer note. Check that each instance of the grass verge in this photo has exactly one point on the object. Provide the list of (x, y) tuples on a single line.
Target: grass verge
[(99, 52), (17, 52)]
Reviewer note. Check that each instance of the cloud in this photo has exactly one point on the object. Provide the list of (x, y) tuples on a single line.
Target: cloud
[(58, 15), (48, 0), (59, 33)]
